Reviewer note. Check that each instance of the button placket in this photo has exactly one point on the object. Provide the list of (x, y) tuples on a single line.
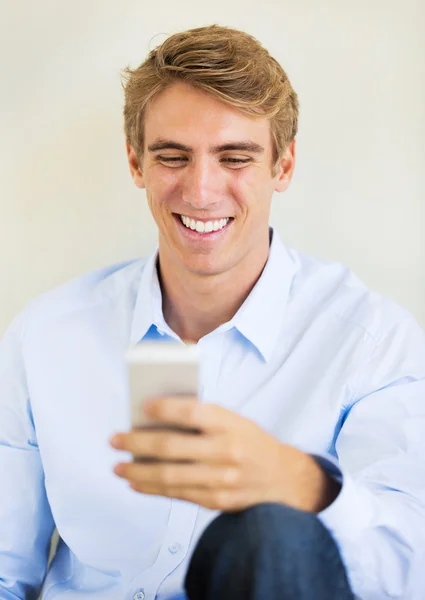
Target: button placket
[(211, 355), (181, 525), (174, 548)]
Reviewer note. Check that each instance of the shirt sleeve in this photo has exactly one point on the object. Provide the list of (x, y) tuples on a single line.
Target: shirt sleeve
[(378, 518), (26, 522)]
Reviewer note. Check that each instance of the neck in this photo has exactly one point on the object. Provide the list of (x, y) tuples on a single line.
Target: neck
[(194, 305)]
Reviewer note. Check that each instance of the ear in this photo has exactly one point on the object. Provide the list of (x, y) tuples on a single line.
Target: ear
[(133, 163), (285, 168)]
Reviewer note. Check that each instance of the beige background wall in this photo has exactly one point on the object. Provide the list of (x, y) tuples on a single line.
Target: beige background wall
[(67, 204)]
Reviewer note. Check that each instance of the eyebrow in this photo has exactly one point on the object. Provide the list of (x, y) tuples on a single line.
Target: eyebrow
[(245, 146)]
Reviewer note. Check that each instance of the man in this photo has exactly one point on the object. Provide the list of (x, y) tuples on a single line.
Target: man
[(307, 480)]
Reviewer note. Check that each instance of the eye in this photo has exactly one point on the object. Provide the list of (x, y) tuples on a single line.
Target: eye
[(172, 161), (234, 162)]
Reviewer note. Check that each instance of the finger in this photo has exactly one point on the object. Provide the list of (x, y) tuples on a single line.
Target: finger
[(180, 447), (164, 476), (185, 412)]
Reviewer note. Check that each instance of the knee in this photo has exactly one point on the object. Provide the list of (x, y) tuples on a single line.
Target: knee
[(267, 524), (266, 547)]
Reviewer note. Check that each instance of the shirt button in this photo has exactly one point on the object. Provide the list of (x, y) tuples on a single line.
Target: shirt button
[(174, 548), (139, 595)]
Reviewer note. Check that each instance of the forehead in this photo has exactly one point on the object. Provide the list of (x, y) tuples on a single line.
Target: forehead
[(194, 117)]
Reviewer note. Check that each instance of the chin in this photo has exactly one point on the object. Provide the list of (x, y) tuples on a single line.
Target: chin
[(204, 268)]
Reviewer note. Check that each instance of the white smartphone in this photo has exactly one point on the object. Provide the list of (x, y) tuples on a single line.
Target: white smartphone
[(160, 369)]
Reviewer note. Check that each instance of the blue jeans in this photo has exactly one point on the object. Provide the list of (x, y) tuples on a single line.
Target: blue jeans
[(267, 552)]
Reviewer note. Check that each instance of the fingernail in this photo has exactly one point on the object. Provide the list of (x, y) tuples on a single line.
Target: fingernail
[(148, 405), (115, 441), (119, 469)]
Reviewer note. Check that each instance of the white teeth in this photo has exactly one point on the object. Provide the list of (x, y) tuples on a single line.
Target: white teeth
[(202, 227)]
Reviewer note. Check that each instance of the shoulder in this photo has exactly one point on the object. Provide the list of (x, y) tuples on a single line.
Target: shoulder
[(85, 292), (330, 289)]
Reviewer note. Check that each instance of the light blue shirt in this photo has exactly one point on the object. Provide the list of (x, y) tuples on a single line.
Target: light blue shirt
[(312, 356)]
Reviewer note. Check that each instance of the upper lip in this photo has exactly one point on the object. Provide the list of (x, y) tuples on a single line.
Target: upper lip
[(201, 219)]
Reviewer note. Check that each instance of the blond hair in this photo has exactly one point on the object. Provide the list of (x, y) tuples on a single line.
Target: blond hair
[(230, 65)]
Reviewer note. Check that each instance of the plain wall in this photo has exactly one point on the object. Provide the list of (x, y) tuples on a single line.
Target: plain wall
[(68, 205)]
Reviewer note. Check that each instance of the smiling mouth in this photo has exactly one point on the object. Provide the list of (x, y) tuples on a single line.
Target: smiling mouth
[(204, 227)]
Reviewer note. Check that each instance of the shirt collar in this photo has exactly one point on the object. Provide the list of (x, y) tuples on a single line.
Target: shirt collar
[(148, 306), (260, 317)]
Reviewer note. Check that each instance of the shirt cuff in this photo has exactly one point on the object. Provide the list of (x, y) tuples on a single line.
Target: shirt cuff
[(352, 510)]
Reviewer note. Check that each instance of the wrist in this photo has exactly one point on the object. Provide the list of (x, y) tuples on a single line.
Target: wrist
[(316, 489)]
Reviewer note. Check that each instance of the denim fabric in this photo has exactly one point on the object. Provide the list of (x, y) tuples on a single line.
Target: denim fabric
[(267, 552)]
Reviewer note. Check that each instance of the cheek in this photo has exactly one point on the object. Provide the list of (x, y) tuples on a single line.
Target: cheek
[(161, 187), (251, 190)]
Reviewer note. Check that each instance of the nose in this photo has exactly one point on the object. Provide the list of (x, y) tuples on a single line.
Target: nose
[(201, 184)]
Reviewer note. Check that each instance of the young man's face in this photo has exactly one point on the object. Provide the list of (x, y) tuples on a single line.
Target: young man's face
[(207, 170)]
